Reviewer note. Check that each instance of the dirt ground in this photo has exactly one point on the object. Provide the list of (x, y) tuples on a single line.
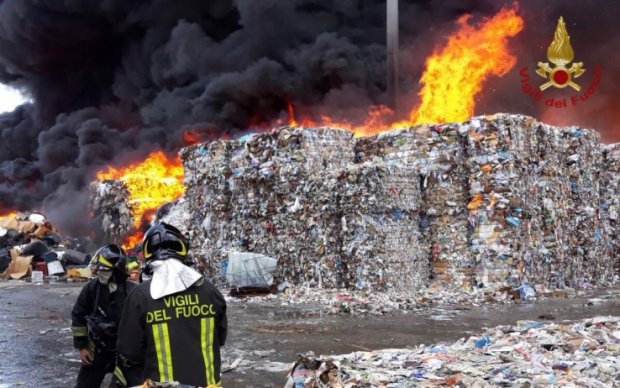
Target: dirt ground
[(36, 346)]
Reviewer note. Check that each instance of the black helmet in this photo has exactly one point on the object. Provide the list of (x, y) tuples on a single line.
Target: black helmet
[(164, 241), (110, 257)]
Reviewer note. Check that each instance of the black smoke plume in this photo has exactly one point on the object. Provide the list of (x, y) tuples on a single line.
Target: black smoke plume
[(112, 80)]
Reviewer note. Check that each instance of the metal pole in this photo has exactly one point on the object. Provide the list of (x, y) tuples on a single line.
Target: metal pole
[(392, 54)]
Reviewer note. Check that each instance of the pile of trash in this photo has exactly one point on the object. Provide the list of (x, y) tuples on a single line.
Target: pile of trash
[(580, 353), (610, 207), (436, 157), (295, 195), (109, 202), (31, 247), (497, 201), (437, 294)]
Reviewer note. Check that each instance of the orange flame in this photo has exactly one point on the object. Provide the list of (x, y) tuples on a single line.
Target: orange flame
[(291, 114), (191, 137), (8, 215), (151, 183), (132, 240), (454, 76)]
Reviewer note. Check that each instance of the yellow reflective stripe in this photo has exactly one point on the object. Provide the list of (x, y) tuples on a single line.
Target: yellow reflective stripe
[(91, 346), (118, 373), (160, 358), (168, 352), (103, 261), (206, 327), (161, 338), (211, 331), (79, 331)]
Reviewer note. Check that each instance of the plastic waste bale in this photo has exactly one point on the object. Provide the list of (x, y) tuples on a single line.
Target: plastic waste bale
[(380, 228), (109, 202), (610, 206)]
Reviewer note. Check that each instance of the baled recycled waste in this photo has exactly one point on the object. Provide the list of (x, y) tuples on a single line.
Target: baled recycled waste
[(531, 353), (175, 213), (109, 202), (295, 195), (497, 201), (435, 156), (610, 206)]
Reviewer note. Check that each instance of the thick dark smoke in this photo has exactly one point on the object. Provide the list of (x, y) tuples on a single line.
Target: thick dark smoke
[(113, 80)]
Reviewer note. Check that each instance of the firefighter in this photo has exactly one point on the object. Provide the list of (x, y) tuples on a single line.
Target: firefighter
[(133, 270), (97, 314), (174, 324)]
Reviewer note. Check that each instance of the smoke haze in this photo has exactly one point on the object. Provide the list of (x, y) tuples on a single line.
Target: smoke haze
[(112, 81)]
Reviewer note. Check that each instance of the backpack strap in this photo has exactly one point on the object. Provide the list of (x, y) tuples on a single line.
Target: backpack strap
[(96, 307)]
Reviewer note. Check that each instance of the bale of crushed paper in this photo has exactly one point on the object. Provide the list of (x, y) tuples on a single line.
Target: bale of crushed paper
[(610, 206), (109, 202), (497, 201)]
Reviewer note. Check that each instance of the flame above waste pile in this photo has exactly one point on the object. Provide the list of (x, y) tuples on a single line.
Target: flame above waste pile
[(452, 78), (151, 183)]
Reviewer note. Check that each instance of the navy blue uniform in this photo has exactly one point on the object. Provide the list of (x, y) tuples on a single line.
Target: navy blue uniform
[(174, 338)]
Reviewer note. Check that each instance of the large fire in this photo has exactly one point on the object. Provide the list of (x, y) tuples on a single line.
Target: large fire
[(151, 183), (453, 77)]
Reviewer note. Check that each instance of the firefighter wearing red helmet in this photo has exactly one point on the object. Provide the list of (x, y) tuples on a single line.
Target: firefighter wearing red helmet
[(174, 324), (96, 315)]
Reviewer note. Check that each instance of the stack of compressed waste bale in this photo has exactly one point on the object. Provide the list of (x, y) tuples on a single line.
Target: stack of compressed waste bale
[(381, 248), (498, 154), (498, 200), (534, 203), (435, 156), (109, 203), (208, 197), (610, 204)]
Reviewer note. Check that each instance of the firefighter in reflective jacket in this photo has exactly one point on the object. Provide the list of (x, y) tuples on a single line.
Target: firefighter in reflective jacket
[(97, 314), (174, 324)]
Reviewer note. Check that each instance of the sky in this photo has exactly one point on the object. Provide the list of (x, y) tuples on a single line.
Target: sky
[(10, 98)]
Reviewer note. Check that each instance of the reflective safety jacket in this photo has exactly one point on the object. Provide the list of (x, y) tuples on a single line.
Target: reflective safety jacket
[(110, 304), (174, 338)]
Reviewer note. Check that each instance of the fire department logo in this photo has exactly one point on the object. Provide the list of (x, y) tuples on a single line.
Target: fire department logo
[(560, 53)]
